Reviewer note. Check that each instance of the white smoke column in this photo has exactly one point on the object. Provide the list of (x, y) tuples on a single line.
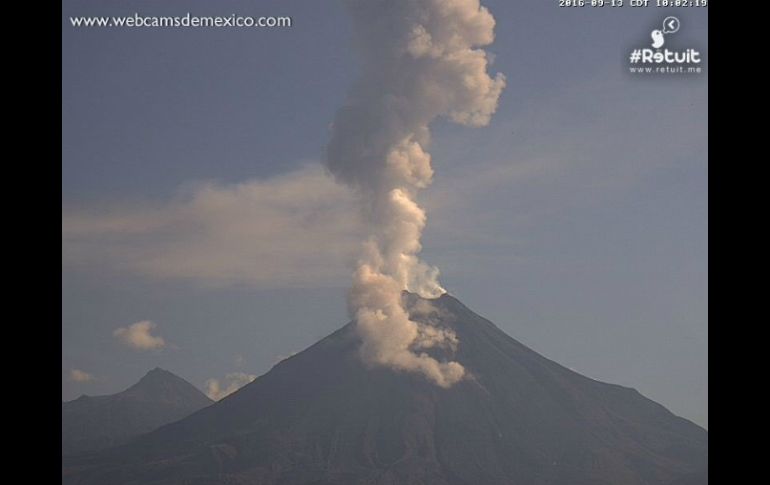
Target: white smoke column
[(420, 60)]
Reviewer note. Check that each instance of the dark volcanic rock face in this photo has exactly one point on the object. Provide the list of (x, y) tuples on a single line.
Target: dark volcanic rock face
[(322, 417), (96, 422)]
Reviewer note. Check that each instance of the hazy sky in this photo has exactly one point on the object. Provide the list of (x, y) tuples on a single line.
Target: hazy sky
[(193, 196)]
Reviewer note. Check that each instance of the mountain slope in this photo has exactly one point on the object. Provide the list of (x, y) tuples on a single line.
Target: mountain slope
[(322, 417), (96, 422)]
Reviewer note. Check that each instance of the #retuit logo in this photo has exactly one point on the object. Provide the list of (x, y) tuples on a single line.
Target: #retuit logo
[(659, 60)]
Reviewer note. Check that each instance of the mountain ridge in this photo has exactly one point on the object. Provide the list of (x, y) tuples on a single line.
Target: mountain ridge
[(321, 416)]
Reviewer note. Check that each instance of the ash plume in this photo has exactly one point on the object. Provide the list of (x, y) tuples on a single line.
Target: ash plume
[(421, 59)]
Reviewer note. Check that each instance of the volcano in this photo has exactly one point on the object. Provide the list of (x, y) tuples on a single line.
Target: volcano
[(322, 417), (94, 422)]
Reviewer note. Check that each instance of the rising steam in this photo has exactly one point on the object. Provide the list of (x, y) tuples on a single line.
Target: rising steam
[(420, 60)]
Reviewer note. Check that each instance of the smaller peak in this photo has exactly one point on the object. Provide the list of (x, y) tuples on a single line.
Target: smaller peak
[(157, 374)]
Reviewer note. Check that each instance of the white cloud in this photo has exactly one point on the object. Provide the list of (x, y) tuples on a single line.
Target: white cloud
[(77, 375), (216, 389), (138, 336), (292, 230)]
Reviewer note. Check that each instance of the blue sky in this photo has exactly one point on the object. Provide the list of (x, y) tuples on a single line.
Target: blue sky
[(193, 195)]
